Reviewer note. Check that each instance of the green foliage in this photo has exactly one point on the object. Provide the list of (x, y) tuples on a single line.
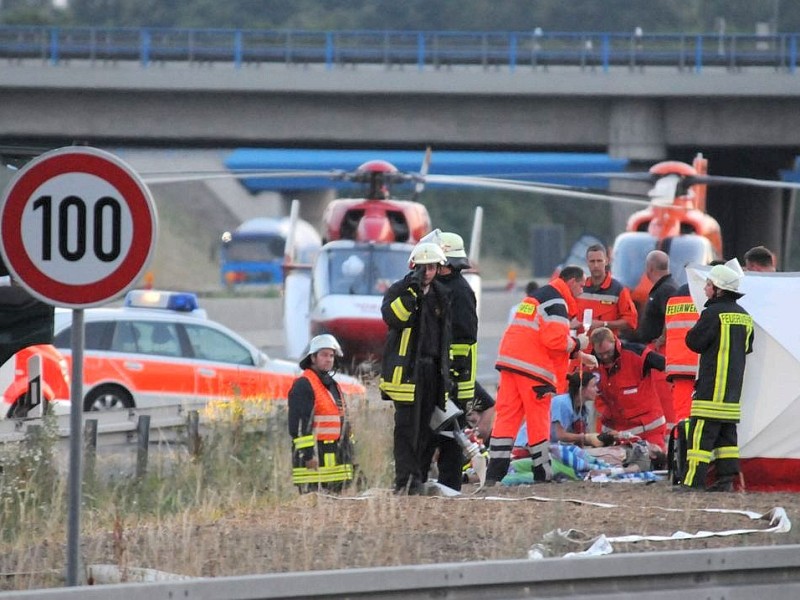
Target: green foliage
[(241, 459), (509, 216), (29, 485), (476, 15), (30, 12)]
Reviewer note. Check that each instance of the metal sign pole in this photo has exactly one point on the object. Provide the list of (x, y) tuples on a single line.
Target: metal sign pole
[(75, 447)]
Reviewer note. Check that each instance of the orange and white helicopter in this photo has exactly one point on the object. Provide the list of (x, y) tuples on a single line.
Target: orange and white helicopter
[(676, 222)]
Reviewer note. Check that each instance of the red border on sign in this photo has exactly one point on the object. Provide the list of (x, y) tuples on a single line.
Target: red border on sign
[(141, 215)]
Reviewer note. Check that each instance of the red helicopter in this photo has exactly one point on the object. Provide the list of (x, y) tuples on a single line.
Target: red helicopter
[(377, 217), (367, 242)]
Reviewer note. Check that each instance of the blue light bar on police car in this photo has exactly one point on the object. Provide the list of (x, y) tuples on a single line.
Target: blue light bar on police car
[(178, 301)]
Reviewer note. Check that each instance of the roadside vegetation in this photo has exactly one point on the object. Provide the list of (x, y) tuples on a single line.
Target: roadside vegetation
[(230, 509), (690, 16), (243, 466)]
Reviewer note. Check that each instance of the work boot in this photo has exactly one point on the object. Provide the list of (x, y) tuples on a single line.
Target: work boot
[(685, 489), (412, 487), (723, 484)]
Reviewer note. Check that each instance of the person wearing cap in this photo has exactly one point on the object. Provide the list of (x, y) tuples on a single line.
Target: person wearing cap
[(322, 449), (463, 348), (722, 336), (415, 368)]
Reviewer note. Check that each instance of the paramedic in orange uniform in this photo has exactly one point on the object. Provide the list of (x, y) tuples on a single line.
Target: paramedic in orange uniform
[(532, 360), (610, 301)]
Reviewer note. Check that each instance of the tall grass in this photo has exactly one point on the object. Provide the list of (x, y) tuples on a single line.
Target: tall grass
[(164, 519)]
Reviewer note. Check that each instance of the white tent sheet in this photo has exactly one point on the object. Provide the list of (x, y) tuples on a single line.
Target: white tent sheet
[(770, 426)]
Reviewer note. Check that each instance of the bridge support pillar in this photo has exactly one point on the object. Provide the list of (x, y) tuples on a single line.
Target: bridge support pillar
[(636, 132)]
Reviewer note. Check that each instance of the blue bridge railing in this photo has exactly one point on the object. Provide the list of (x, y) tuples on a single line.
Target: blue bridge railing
[(420, 49)]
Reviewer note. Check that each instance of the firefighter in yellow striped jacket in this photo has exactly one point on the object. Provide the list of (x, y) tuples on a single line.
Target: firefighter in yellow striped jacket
[(463, 352), (415, 369), (723, 336), (322, 449)]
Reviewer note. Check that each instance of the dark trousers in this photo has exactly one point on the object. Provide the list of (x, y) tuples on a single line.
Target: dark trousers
[(709, 440), (450, 460), (413, 438)]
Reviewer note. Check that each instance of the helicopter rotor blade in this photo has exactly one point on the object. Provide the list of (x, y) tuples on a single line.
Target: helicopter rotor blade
[(163, 177), (522, 186), (687, 180), (745, 181)]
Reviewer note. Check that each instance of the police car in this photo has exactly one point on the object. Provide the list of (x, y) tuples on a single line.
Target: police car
[(160, 348)]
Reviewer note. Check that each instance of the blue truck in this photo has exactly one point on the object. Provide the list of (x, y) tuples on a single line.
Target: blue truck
[(254, 252)]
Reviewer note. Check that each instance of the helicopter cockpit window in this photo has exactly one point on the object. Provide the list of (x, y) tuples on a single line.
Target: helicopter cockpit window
[(349, 224), (687, 249), (630, 253), (361, 271), (399, 225)]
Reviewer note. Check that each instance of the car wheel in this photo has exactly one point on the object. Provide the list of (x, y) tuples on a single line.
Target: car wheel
[(108, 397)]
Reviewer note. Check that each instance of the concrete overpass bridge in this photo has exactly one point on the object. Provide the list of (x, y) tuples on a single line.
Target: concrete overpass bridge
[(746, 122)]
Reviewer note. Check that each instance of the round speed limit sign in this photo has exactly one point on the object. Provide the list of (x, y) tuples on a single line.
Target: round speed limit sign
[(77, 227)]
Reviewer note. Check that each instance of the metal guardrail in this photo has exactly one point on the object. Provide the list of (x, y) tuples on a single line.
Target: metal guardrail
[(113, 426), (423, 49), (742, 573)]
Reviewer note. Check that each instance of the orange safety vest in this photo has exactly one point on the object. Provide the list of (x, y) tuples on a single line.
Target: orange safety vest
[(328, 416), (326, 437), (537, 342), (681, 315)]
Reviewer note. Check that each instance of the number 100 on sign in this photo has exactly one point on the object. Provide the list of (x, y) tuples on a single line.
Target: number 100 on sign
[(80, 239)]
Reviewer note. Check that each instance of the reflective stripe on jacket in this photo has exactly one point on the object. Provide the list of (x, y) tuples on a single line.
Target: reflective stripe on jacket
[(537, 341), (681, 315), (723, 336), (609, 301)]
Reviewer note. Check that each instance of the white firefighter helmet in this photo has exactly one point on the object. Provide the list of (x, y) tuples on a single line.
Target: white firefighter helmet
[(317, 343), (453, 246), (426, 253), (434, 236), (727, 276)]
